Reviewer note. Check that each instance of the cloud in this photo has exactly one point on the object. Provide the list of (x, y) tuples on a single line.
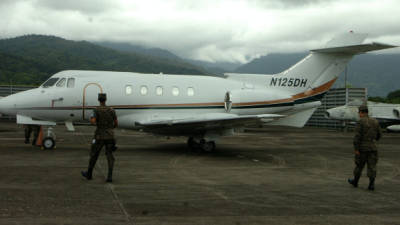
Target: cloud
[(212, 30), (284, 4), (90, 7)]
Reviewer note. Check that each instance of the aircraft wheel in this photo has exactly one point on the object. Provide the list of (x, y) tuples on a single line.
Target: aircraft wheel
[(207, 146), (48, 143)]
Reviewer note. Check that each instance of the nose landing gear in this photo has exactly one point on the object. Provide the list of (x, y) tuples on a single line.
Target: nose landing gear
[(49, 141)]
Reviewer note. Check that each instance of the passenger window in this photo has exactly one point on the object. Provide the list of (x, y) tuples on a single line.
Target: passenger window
[(128, 89), (190, 91), (71, 83), (50, 82), (175, 91), (61, 83), (143, 90), (159, 90)]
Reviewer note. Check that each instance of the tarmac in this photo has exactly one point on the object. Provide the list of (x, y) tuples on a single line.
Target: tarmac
[(268, 175)]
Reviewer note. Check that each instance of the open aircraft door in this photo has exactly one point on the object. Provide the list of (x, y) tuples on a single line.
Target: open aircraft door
[(89, 98)]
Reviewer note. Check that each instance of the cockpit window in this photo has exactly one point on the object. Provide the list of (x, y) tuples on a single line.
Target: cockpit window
[(61, 83), (50, 82), (71, 82)]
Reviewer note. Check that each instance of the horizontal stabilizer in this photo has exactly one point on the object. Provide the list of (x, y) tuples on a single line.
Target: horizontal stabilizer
[(355, 49)]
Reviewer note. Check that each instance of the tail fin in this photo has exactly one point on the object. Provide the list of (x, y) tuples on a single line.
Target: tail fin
[(322, 66)]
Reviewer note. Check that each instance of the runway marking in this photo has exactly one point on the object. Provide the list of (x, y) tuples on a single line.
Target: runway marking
[(115, 196)]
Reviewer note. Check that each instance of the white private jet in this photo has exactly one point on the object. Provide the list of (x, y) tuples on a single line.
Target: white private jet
[(388, 115), (201, 108)]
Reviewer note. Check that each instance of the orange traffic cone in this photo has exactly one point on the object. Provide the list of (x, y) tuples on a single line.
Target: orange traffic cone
[(39, 141)]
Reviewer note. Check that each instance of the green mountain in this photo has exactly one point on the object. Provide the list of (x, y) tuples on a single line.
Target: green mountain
[(129, 48), (217, 68), (32, 59), (380, 74), (271, 63)]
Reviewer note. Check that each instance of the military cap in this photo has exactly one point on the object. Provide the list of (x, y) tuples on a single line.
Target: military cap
[(363, 108), (102, 97)]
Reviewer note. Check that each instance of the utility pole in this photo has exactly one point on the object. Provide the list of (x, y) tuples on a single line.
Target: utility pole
[(345, 86), (347, 96), (11, 87)]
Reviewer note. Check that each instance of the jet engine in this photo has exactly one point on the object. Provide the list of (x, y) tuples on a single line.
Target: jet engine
[(327, 115), (395, 128), (396, 113)]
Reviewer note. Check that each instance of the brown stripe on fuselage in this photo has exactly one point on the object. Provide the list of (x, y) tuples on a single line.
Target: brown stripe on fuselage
[(308, 93)]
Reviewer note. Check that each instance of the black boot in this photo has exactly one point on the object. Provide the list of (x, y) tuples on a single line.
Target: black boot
[(87, 174), (26, 140), (354, 181), (109, 176), (371, 185)]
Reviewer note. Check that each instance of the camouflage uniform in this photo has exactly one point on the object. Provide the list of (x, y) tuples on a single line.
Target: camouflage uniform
[(28, 130), (367, 132), (104, 136)]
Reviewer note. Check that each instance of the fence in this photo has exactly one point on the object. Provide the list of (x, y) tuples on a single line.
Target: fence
[(6, 90)]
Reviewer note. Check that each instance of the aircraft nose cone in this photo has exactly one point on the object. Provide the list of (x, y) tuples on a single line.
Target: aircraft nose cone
[(4, 105)]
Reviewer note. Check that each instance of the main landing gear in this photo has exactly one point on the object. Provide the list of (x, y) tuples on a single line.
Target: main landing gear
[(201, 145)]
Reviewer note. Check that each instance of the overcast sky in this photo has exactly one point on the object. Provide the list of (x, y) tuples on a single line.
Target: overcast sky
[(211, 30)]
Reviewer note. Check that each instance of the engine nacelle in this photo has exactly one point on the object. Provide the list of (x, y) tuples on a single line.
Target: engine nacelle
[(395, 128), (343, 113), (396, 112)]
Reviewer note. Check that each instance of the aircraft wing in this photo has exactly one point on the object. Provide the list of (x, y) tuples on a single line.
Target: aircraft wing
[(196, 123)]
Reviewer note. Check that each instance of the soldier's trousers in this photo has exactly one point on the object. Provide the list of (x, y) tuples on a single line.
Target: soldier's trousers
[(32, 128), (95, 151), (28, 131), (369, 157)]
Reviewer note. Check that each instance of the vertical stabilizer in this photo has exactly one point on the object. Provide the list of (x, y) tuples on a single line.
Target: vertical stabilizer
[(322, 66)]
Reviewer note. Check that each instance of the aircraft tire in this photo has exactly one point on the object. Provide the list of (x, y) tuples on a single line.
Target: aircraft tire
[(49, 143), (208, 146)]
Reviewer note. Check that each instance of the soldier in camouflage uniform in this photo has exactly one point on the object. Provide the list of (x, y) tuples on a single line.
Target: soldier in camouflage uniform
[(28, 128), (106, 120), (367, 132)]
